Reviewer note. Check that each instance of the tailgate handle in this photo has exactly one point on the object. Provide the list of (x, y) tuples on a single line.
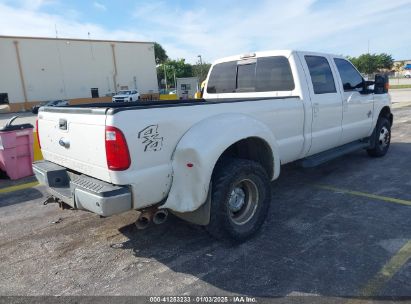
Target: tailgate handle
[(63, 124)]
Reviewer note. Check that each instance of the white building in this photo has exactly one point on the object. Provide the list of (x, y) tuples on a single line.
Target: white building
[(40, 69)]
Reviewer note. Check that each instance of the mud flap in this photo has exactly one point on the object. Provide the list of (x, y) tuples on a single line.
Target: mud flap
[(201, 216)]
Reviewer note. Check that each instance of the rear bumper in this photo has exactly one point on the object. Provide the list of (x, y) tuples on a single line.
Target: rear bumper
[(81, 191)]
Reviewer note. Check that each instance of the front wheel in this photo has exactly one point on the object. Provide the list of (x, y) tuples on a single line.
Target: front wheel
[(382, 138), (240, 199)]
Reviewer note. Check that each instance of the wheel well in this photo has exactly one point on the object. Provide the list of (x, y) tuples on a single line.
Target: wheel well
[(252, 148), (386, 112)]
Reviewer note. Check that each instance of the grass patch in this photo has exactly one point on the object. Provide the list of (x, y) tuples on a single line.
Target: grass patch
[(400, 86)]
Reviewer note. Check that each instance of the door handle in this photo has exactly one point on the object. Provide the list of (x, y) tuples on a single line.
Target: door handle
[(349, 98)]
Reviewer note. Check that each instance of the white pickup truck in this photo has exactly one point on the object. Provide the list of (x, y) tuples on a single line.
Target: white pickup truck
[(210, 161)]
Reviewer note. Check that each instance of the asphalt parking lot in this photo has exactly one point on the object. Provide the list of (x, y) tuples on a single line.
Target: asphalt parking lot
[(339, 230)]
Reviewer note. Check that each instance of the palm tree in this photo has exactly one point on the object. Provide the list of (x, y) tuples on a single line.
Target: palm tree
[(398, 67)]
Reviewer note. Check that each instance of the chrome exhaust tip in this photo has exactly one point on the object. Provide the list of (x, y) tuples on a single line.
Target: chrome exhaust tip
[(160, 216), (143, 222)]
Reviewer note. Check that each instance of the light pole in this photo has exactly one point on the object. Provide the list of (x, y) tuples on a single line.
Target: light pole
[(175, 83), (165, 74), (201, 67)]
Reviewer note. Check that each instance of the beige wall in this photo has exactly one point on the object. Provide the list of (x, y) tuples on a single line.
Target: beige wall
[(68, 69)]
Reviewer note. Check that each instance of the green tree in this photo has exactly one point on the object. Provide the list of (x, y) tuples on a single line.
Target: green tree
[(201, 71), (160, 53), (372, 63), (365, 63), (384, 61), (177, 68)]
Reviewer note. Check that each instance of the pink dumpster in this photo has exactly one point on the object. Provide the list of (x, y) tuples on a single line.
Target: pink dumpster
[(16, 150)]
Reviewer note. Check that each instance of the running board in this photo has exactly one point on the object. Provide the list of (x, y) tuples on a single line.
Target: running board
[(323, 157)]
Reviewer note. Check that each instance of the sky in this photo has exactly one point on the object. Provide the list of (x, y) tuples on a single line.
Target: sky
[(219, 28)]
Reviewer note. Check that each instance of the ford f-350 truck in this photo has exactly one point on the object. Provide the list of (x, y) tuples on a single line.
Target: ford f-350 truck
[(210, 161)]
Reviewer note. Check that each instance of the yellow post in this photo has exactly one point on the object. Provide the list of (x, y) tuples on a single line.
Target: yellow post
[(36, 148)]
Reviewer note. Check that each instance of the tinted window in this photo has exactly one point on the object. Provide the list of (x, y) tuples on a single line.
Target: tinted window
[(274, 74), (350, 77), (223, 78), (264, 75), (246, 78), (321, 75)]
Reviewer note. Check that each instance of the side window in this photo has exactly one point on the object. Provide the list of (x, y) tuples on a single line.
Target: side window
[(274, 74), (223, 78), (350, 77), (321, 75)]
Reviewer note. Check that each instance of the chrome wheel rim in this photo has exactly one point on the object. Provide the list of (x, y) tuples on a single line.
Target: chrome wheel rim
[(243, 202), (384, 137)]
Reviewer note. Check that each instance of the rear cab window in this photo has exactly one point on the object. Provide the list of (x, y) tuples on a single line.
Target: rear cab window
[(222, 78), (263, 74)]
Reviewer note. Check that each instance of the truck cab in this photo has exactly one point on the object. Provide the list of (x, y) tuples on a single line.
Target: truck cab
[(337, 102)]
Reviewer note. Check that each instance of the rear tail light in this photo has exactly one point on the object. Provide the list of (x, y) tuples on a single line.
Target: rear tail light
[(37, 133), (117, 154)]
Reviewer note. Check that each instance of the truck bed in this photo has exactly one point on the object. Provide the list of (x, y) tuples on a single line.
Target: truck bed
[(115, 107)]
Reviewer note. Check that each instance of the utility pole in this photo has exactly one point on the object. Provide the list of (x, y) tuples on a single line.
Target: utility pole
[(175, 83), (201, 67), (165, 74)]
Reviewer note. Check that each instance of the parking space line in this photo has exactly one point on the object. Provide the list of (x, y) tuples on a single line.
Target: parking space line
[(368, 195), (18, 187), (385, 274), (388, 271)]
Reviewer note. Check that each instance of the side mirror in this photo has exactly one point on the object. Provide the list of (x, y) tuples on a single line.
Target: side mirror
[(381, 84), (365, 87)]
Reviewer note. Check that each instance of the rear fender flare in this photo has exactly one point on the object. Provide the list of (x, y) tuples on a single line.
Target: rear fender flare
[(200, 148)]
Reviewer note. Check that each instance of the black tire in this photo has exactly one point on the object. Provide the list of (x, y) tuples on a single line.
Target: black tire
[(382, 138), (251, 182)]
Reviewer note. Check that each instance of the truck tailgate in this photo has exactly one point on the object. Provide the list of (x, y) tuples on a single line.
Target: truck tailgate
[(75, 141)]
